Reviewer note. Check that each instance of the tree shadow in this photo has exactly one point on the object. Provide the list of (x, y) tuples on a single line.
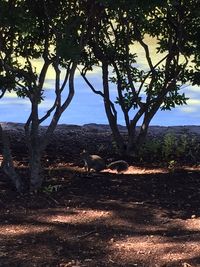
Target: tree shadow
[(104, 219)]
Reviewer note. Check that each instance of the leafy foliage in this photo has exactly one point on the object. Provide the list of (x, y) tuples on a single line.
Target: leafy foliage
[(142, 89), (54, 34), (51, 188), (171, 149)]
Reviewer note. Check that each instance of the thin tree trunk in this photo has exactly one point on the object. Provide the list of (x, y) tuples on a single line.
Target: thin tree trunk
[(36, 143), (111, 118)]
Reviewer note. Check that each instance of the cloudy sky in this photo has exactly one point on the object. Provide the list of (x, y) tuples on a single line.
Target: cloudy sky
[(86, 107)]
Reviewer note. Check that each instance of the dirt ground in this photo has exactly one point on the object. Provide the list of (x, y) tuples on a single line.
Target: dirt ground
[(147, 216)]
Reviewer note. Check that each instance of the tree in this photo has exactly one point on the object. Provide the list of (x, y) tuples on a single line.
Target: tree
[(118, 27), (192, 41), (54, 32)]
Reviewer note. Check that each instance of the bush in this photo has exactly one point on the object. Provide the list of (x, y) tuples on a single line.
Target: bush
[(171, 148), (150, 150)]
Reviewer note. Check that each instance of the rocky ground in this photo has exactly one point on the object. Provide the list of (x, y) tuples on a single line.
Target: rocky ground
[(148, 216)]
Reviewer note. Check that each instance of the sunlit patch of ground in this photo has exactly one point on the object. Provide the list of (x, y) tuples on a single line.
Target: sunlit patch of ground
[(11, 230), (143, 170), (76, 216), (171, 242), (157, 250)]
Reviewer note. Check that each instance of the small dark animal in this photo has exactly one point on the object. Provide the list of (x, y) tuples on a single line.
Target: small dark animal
[(119, 165), (96, 163)]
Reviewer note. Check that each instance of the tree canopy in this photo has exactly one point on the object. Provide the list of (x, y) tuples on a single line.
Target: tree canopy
[(55, 33), (119, 28)]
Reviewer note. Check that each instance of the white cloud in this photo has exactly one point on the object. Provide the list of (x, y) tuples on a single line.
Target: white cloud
[(193, 102), (193, 106), (194, 89), (141, 57), (189, 109), (11, 94), (38, 64)]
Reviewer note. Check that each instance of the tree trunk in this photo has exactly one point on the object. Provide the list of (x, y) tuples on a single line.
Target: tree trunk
[(33, 140), (36, 178), (131, 144), (112, 118), (135, 141), (37, 143), (8, 165)]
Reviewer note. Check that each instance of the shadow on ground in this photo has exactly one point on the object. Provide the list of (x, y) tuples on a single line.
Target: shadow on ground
[(105, 219)]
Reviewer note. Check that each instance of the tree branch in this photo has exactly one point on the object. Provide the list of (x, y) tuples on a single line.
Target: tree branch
[(98, 92)]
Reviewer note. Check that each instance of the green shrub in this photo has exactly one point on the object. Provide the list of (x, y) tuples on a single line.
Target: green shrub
[(171, 149), (150, 150), (169, 146), (49, 189)]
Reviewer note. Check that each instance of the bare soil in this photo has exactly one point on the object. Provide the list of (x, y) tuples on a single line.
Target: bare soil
[(148, 216)]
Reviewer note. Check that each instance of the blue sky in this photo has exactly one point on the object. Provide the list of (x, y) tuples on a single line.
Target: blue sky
[(86, 107)]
